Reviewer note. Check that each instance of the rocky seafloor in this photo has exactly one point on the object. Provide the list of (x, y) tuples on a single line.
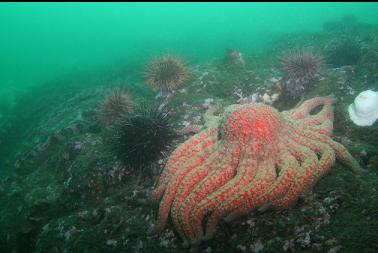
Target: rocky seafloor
[(62, 189)]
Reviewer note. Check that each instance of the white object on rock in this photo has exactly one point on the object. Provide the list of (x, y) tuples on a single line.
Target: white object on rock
[(207, 103), (364, 110), (270, 99)]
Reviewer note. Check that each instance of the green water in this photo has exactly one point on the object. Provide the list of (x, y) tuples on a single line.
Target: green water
[(43, 40)]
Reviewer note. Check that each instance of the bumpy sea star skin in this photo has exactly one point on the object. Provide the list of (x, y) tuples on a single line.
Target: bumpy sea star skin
[(253, 156)]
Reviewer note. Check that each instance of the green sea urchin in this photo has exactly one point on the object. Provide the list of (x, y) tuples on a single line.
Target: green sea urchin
[(302, 64), (166, 73), (116, 104), (300, 68)]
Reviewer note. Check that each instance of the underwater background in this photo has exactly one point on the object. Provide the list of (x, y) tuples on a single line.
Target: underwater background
[(95, 97)]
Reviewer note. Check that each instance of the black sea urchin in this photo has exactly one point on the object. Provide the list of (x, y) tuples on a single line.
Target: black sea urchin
[(344, 51), (140, 138)]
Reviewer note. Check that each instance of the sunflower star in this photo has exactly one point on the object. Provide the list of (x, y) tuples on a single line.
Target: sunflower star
[(252, 156)]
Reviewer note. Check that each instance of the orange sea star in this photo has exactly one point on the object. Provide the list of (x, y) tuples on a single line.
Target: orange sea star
[(250, 157)]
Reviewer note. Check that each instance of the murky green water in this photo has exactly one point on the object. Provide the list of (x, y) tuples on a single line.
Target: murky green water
[(42, 40)]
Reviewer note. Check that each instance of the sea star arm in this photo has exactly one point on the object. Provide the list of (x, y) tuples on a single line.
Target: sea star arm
[(308, 164), (287, 166), (183, 203), (303, 112), (345, 157), (196, 158), (264, 178), (192, 223), (341, 152), (179, 157)]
